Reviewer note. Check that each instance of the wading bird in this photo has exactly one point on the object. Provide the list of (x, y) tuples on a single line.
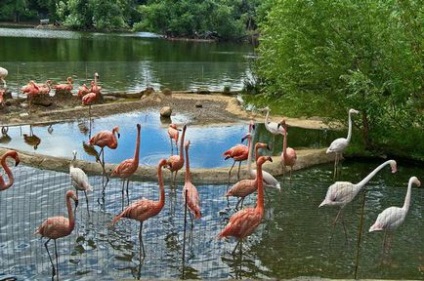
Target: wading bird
[(341, 193), (128, 167), (239, 152), (391, 218), (244, 222), (273, 127), (246, 187), (190, 194), (79, 179), (15, 156), (173, 133), (58, 227), (340, 144), (143, 209), (94, 87), (176, 162), (104, 139), (83, 90), (288, 155)]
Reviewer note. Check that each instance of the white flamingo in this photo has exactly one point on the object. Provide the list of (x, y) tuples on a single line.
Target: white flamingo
[(340, 144), (3, 74), (269, 180), (391, 218), (341, 193), (273, 127), (79, 179)]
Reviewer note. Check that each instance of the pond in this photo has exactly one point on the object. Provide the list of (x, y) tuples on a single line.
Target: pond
[(125, 62), (296, 238)]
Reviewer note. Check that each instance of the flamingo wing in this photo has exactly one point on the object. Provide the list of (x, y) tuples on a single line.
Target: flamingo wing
[(242, 188), (140, 210), (338, 145), (79, 179), (390, 219), (242, 224), (193, 199), (126, 168), (54, 227)]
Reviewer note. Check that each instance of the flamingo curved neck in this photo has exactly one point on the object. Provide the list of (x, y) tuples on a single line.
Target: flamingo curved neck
[(364, 181), (349, 132), (137, 146), (249, 155), (285, 143), (259, 178), (187, 163), (182, 144), (8, 172), (407, 202), (70, 213), (161, 187)]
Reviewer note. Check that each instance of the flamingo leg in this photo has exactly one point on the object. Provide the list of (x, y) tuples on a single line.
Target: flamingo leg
[(50, 257), (172, 146), (128, 197), (238, 172), (239, 201), (57, 262), (229, 173), (86, 200), (122, 194), (140, 237)]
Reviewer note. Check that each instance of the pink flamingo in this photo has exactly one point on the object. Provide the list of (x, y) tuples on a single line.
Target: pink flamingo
[(246, 187), (94, 87), (45, 88), (128, 167), (67, 87), (83, 90), (244, 222), (14, 155), (174, 134), (288, 155), (105, 138), (176, 162), (391, 218), (190, 194), (89, 99), (31, 90), (239, 152), (58, 227), (143, 209)]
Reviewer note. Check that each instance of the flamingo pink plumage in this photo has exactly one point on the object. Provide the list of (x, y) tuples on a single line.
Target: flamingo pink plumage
[(190, 194), (244, 222), (129, 166), (143, 209), (288, 155), (45, 88), (94, 87), (239, 152), (58, 226), (176, 162), (246, 187), (66, 87), (174, 134), (83, 90), (105, 138), (14, 155)]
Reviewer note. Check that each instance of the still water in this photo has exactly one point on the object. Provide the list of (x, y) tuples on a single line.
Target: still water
[(125, 62), (295, 239)]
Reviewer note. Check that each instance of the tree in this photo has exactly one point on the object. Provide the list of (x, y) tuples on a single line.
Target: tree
[(366, 55)]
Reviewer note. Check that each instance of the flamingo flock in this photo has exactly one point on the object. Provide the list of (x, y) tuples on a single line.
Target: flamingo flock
[(243, 222)]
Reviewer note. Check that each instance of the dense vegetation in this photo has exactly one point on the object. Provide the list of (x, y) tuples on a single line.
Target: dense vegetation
[(217, 19), (324, 57)]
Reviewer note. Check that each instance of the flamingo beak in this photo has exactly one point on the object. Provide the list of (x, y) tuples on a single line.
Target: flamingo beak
[(17, 162)]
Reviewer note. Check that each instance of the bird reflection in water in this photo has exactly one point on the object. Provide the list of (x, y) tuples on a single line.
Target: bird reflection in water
[(32, 139), (5, 138)]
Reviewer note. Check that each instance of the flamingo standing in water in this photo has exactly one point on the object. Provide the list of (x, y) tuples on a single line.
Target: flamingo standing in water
[(9, 154), (143, 209), (67, 87), (176, 162), (341, 193), (104, 139), (246, 187), (391, 218), (340, 144), (244, 222), (173, 133), (288, 155), (239, 152), (79, 179), (190, 194), (58, 227), (128, 167), (269, 180), (89, 99)]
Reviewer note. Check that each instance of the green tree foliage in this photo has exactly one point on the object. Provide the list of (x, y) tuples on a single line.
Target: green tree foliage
[(342, 54)]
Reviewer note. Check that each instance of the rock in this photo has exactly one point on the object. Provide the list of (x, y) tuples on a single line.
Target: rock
[(44, 100), (166, 111)]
